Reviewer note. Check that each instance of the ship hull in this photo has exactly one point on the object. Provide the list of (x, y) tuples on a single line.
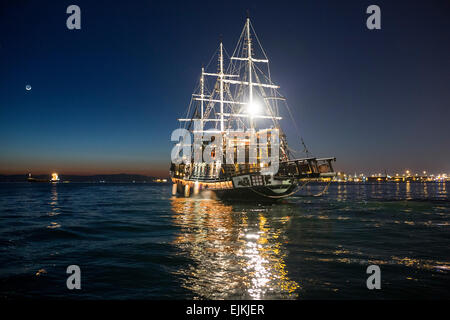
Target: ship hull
[(252, 193), (251, 183), (245, 187)]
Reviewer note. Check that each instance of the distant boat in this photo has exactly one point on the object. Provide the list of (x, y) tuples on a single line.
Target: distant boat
[(54, 179), (31, 179), (245, 94)]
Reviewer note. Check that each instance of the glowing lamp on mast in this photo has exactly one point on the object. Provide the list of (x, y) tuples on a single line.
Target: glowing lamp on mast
[(253, 108)]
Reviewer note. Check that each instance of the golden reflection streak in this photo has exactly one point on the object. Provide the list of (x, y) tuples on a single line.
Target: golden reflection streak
[(54, 207), (408, 190), (54, 202), (342, 192), (236, 253)]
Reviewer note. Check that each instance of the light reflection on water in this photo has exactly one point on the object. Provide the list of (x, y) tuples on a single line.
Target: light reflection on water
[(234, 254), (292, 249), (408, 190), (54, 207), (54, 196)]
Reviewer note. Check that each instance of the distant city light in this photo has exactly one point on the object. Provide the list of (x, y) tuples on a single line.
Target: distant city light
[(407, 177)]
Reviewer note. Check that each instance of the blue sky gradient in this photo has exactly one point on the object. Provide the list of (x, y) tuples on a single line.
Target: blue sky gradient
[(105, 98)]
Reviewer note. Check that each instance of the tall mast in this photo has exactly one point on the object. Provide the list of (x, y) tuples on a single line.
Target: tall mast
[(250, 80), (202, 90), (222, 78), (221, 74)]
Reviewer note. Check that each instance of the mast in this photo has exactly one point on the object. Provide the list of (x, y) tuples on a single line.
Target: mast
[(222, 77), (250, 80), (202, 91), (246, 56), (221, 74)]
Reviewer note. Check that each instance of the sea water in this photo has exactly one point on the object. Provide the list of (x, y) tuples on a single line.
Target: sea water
[(137, 241)]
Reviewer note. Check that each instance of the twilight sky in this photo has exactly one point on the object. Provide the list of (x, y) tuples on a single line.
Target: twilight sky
[(105, 98)]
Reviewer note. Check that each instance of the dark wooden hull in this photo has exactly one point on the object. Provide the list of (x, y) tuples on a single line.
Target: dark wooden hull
[(255, 193), (245, 187), (248, 182)]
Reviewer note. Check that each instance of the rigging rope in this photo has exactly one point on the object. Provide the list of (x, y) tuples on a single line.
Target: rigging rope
[(321, 193), (324, 190)]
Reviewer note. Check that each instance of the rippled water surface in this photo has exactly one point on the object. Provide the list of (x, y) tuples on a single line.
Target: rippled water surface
[(136, 241)]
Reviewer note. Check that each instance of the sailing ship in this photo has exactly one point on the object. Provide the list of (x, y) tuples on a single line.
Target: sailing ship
[(239, 106)]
